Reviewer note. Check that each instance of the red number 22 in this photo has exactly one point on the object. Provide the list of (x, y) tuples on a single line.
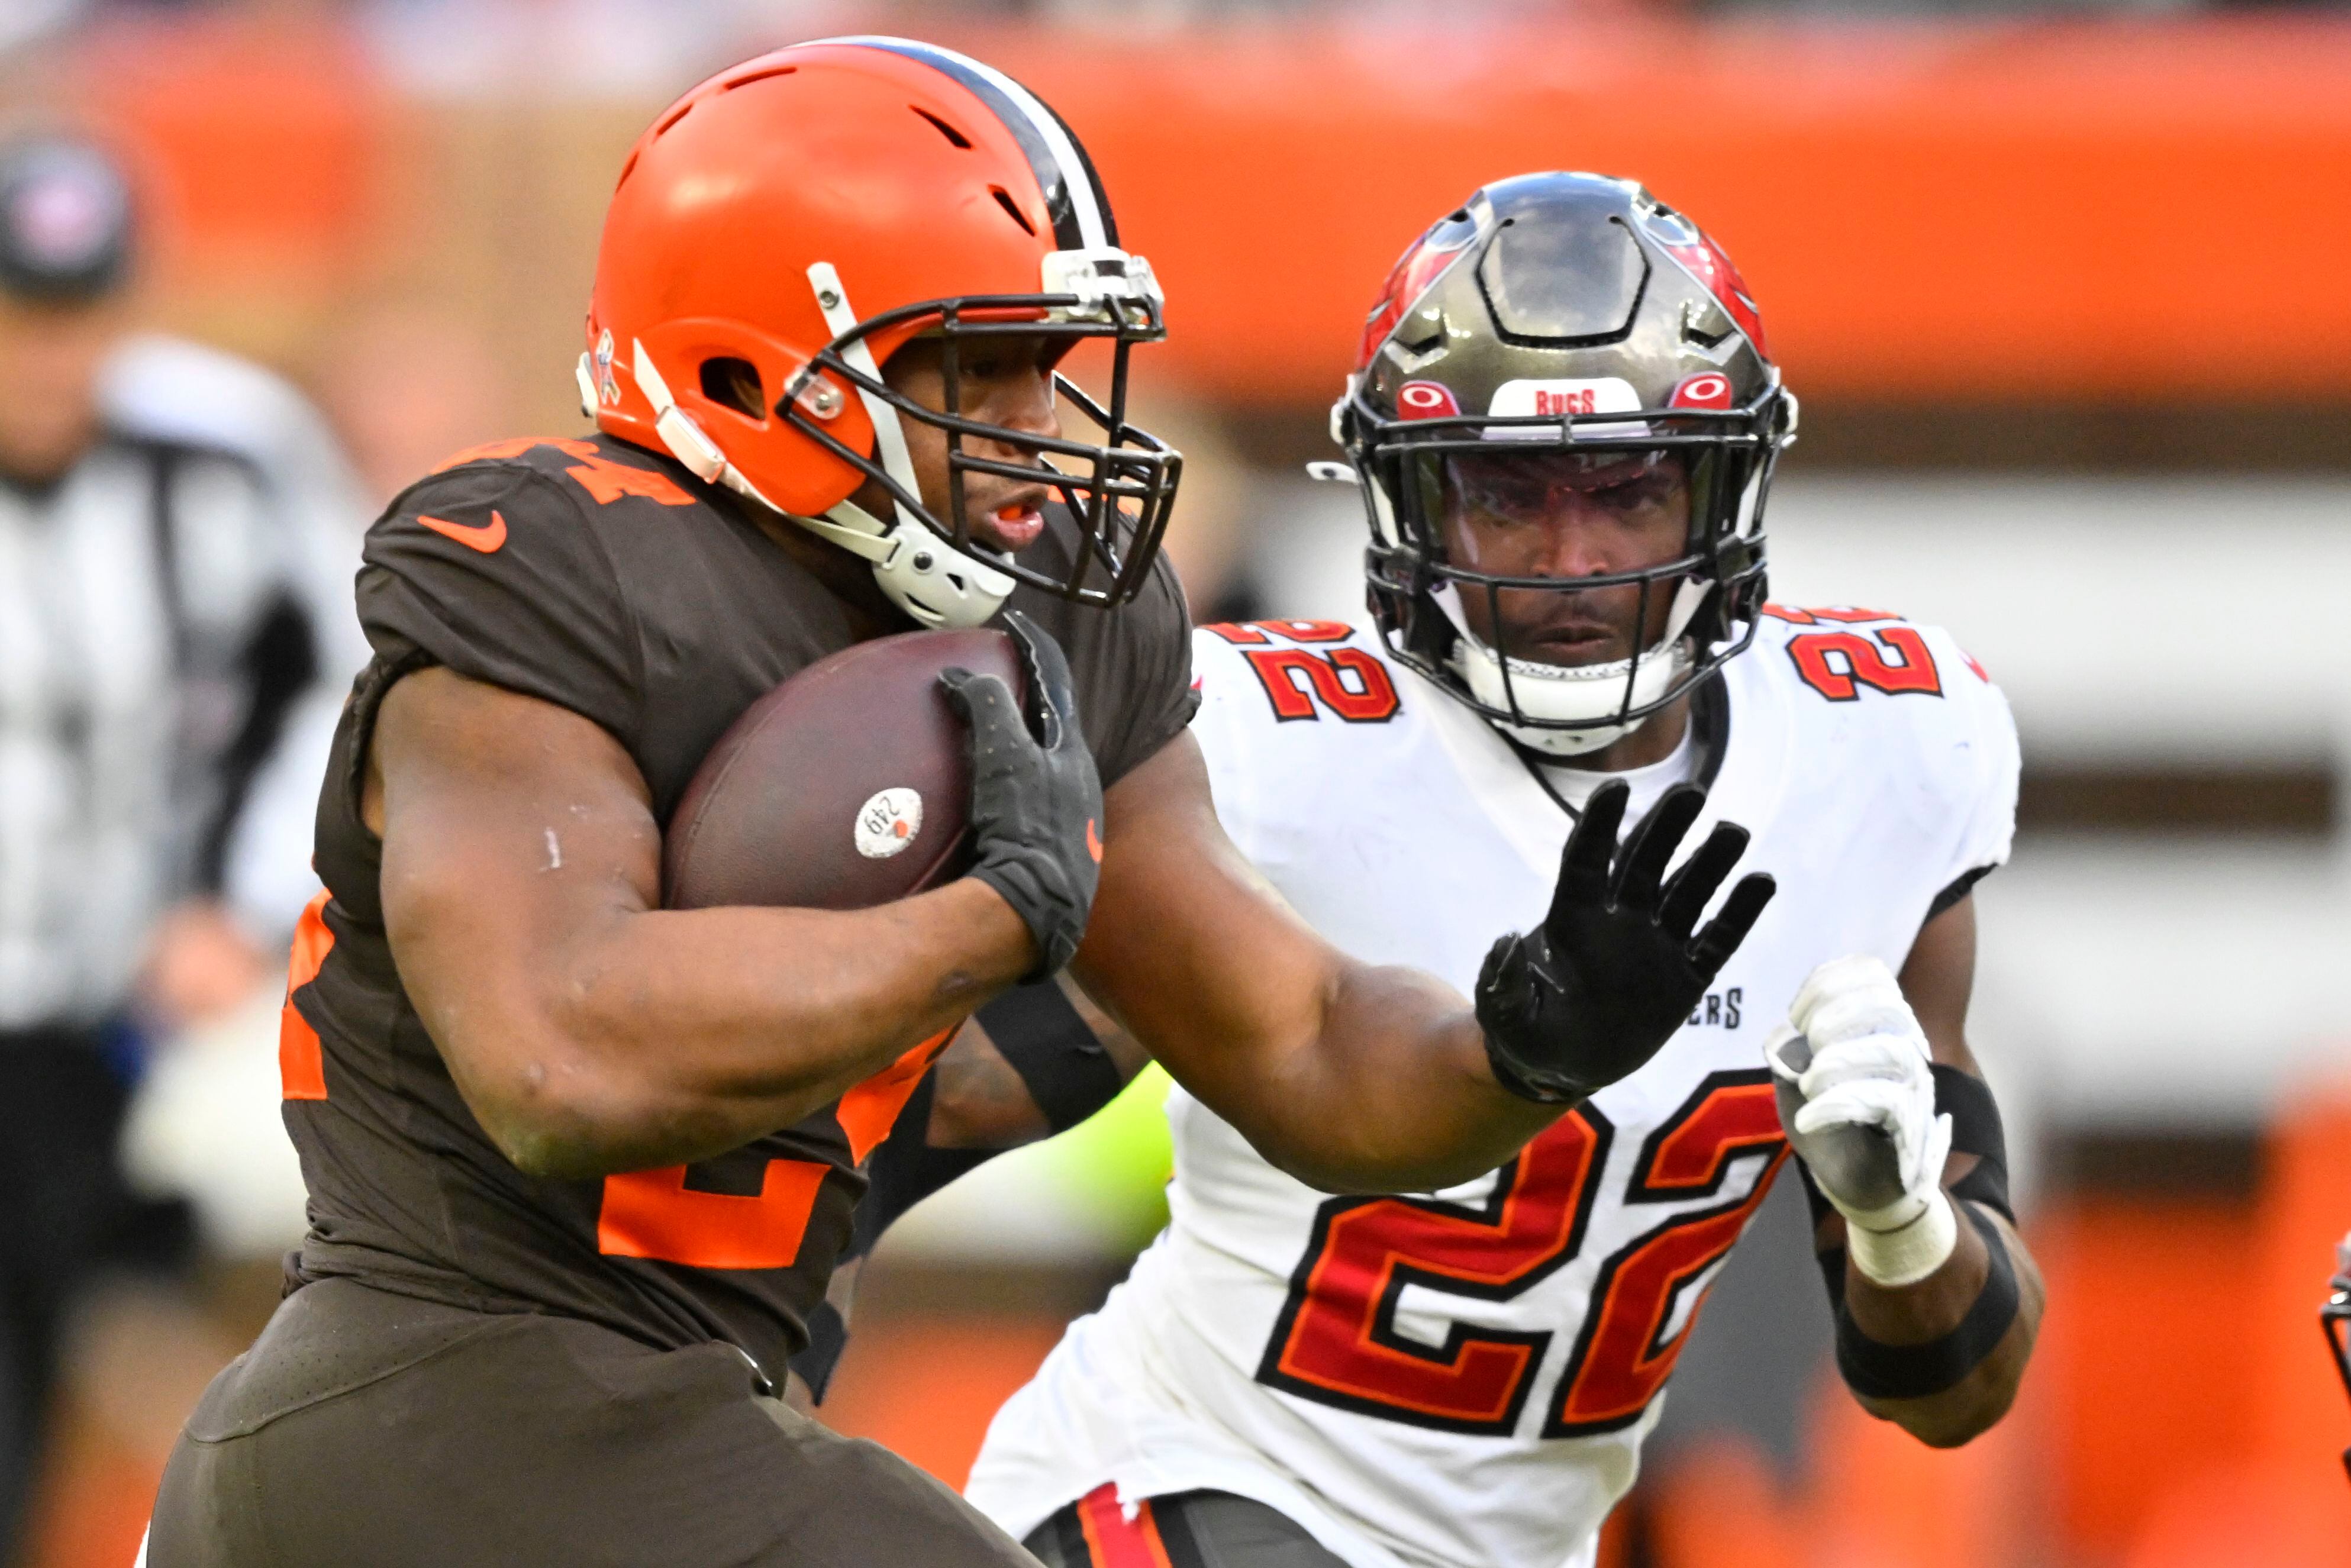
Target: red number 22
[(1336, 1341), (1896, 661)]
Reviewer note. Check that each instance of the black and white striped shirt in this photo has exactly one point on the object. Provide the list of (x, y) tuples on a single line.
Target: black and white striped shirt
[(173, 615)]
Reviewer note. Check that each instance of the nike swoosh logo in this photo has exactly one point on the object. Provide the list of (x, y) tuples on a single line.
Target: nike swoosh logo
[(1094, 842), (484, 537)]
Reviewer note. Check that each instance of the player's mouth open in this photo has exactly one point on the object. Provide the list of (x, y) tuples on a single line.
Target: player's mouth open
[(1011, 525)]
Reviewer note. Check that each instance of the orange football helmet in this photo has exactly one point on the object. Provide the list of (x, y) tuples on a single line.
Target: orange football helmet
[(799, 217)]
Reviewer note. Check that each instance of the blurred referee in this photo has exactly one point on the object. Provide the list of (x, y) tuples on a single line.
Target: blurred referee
[(165, 612)]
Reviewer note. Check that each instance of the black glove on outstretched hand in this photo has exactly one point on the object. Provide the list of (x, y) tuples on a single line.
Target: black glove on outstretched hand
[(1613, 971), (1036, 799)]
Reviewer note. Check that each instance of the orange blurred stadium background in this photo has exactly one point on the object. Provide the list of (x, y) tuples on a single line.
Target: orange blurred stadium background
[(1986, 247)]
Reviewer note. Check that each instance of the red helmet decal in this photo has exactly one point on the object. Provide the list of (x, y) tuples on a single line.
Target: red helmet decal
[(1427, 400), (1408, 281), (1707, 389), (1710, 266)]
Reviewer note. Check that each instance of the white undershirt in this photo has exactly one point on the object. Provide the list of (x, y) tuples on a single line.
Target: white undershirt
[(1577, 785)]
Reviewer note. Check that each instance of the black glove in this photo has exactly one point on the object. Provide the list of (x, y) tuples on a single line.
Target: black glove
[(1592, 992), (1036, 799)]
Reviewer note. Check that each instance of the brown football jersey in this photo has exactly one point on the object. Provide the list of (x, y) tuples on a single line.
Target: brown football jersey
[(599, 577)]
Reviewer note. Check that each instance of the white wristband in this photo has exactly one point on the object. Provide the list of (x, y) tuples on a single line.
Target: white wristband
[(1909, 1253)]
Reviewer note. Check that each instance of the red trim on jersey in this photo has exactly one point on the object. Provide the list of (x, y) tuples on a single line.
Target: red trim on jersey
[(1114, 1541), (301, 1058)]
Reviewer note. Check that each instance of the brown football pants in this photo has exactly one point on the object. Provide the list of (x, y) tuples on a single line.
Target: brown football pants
[(370, 1430)]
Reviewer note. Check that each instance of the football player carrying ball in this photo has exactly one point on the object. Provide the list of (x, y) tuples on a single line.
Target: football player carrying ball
[(579, 1166)]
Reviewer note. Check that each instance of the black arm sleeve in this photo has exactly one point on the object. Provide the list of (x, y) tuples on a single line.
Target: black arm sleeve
[(1040, 1033), (1975, 1130), (1879, 1371)]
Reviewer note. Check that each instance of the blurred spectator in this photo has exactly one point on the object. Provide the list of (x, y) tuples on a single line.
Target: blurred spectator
[(23, 22), (169, 528), (652, 46), (409, 383)]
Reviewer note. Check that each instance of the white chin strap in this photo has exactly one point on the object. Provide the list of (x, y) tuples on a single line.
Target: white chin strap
[(1583, 695), (923, 574)]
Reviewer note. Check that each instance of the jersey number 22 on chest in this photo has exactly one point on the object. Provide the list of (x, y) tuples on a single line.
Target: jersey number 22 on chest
[(1336, 1341)]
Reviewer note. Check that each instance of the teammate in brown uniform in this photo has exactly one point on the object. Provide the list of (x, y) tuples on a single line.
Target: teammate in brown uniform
[(579, 1166)]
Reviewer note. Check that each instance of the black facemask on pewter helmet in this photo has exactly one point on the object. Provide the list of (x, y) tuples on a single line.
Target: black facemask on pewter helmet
[(1560, 322)]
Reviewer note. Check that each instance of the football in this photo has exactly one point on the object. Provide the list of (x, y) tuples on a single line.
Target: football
[(847, 785)]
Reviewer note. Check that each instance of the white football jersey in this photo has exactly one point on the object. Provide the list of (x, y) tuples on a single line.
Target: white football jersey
[(1465, 1377)]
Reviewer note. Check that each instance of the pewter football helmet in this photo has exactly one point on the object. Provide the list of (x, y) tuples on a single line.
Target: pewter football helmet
[(1571, 318)]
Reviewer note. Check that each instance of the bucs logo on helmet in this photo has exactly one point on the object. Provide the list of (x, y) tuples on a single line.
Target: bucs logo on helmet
[(786, 227), (1561, 331)]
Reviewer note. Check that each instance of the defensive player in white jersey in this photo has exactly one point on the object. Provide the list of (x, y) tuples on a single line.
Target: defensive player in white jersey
[(1565, 420)]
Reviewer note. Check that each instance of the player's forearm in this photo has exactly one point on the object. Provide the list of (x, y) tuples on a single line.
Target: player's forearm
[(1394, 1093), (1352, 1077), (660, 1037), (1935, 1307)]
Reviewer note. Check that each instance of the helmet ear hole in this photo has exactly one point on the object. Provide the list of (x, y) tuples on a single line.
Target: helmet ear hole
[(734, 384)]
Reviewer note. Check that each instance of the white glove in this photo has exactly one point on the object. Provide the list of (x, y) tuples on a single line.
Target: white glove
[(1857, 1098)]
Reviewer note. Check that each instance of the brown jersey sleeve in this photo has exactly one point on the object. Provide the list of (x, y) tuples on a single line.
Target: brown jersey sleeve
[(1147, 680), (495, 571)]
